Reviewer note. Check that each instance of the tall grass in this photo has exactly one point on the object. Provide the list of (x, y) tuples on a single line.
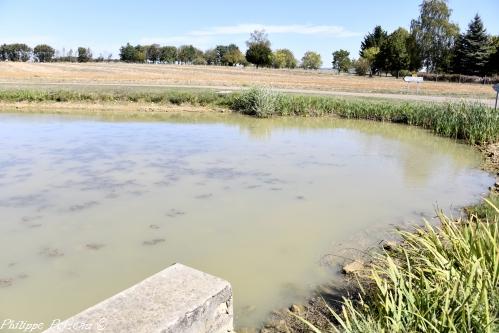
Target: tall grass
[(472, 122), (443, 279), (199, 97)]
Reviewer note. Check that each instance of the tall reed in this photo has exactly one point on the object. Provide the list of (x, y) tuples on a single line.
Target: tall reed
[(440, 279)]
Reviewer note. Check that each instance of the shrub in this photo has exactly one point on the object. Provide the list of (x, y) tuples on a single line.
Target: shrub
[(458, 78), (257, 102), (361, 66)]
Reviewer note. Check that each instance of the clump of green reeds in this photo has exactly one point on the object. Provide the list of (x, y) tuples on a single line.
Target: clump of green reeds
[(443, 279), (202, 98), (472, 122)]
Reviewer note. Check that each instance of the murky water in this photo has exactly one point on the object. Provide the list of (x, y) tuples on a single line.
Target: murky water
[(90, 205)]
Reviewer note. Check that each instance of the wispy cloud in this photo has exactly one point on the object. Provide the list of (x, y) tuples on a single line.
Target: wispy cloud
[(205, 37), (303, 29)]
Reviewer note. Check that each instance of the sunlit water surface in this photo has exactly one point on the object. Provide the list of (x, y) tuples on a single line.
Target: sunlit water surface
[(90, 205)]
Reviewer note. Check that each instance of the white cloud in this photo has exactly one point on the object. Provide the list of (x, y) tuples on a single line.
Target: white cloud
[(303, 29), (206, 37)]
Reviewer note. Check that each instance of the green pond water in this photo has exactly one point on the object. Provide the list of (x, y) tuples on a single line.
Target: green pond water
[(90, 205)]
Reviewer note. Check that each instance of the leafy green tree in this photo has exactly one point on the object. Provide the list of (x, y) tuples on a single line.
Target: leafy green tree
[(43, 53), (140, 53), (284, 58), (168, 54), (220, 51), (435, 35), (127, 53), (394, 52), (233, 56), (370, 56), (473, 50), (153, 52), (341, 60), (259, 52), (211, 56), (311, 60), (84, 54), (415, 60), (15, 52), (187, 54)]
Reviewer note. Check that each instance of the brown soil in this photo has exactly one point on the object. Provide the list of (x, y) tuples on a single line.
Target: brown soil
[(71, 107)]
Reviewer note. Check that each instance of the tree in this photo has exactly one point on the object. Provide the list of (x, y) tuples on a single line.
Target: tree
[(283, 58), (70, 55), (361, 66), (341, 60), (43, 53), (370, 55), (127, 53), (15, 52), (473, 50), (259, 52), (415, 61), (493, 66), (394, 52), (373, 39), (311, 60), (168, 54), (153, 53), (84, 54), (435, 35), (233, 56), (187, 54), (139, 54), (211, 57)]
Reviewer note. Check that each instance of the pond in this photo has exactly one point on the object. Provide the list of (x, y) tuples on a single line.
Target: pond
[(91, 204)]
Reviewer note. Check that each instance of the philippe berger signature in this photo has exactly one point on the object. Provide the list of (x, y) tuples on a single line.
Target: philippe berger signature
[(57, 324)]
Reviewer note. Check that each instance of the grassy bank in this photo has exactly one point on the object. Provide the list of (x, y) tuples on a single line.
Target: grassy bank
[(474, 123), (443, 279)]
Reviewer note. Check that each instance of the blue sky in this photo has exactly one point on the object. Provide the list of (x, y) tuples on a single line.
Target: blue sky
[(318, 25)]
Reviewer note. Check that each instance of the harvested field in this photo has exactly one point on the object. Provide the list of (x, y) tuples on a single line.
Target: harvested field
[(211, 76)]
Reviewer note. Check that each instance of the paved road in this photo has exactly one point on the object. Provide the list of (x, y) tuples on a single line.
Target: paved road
[(411, 97)]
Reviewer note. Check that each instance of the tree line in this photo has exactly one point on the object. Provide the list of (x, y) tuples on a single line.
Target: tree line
[(433, 43), (45, 53), (259, 53)]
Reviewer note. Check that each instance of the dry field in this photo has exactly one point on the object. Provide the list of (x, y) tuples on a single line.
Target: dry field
[(121, 74)]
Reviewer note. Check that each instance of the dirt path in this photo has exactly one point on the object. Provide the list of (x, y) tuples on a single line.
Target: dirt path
[(401, 97)]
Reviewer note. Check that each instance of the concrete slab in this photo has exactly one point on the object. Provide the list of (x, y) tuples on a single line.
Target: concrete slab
[(178, 299)]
